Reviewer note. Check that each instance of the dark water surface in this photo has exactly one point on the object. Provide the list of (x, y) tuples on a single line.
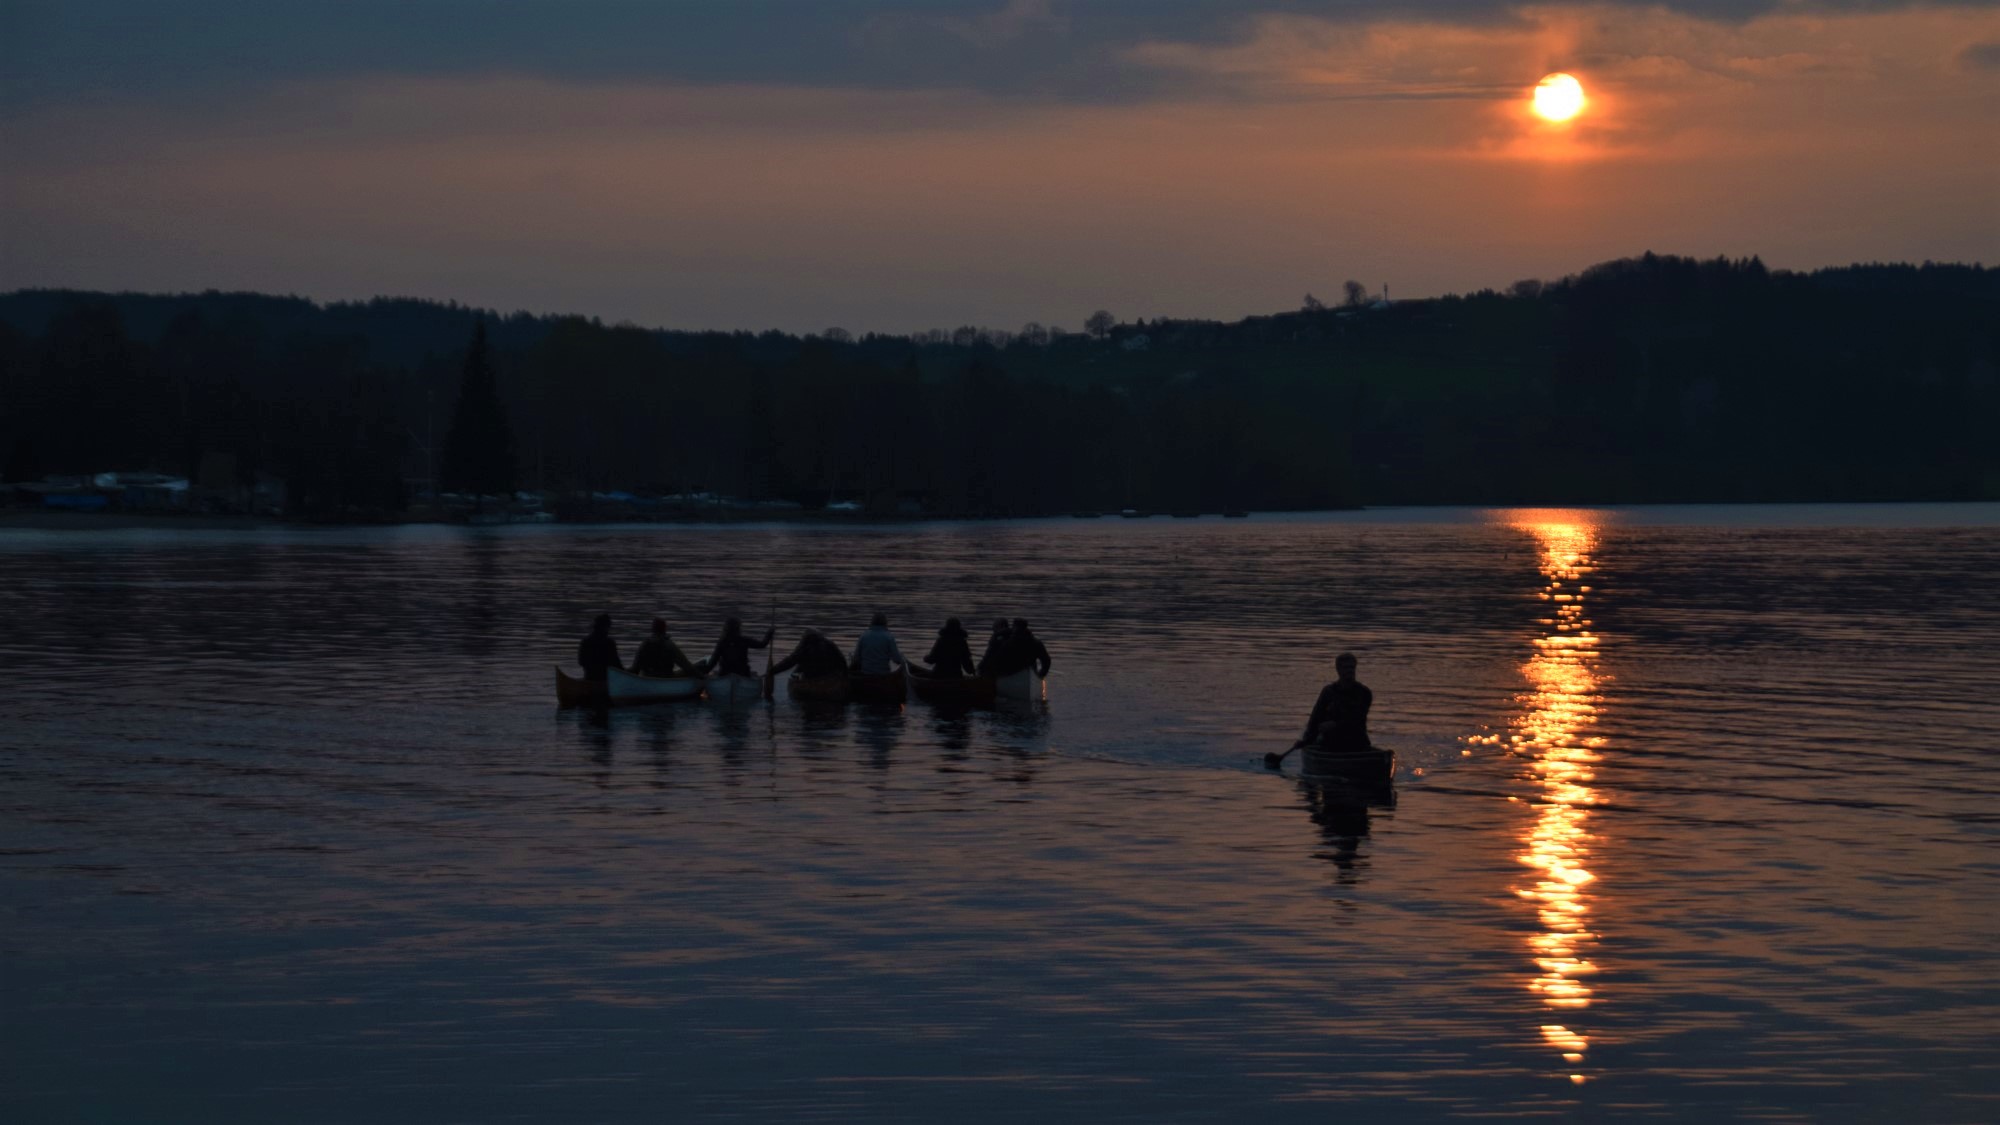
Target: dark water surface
[(1697, 819)]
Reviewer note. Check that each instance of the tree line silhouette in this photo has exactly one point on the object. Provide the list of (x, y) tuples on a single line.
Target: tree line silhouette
[(1648, 379)]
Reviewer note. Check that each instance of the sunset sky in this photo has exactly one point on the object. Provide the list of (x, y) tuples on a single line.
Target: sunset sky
[(897, 165)]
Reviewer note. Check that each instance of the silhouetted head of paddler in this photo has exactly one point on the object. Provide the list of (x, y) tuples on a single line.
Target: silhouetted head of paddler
[(732, 627), (1343, 667), (952, 628), (659, 626), (879, 621), (600, 626), (1021, 626), (999, 626)]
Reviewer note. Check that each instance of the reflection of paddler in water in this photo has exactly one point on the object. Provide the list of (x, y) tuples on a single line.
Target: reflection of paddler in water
[(1341, 813), (879, 730)]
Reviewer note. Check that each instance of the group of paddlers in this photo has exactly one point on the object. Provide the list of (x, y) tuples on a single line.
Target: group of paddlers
[(1011, 648), (1339, 720)]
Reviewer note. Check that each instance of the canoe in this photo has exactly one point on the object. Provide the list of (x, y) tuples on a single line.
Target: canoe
[(1374, 766), (965, 691), (627, 688), (1023, 684), (893, 687), (734, 690), (572, 692), (817, 689)]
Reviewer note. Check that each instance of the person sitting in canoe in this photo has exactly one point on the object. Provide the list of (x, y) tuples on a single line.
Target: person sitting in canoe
[(1022, 650), (995, 645), (598, 651), (1339, 719), (732, 650), (815, 657), (658, 655), (876, 654), (951, 657)]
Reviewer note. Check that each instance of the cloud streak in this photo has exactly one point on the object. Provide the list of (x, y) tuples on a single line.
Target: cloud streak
[(1282, 156)]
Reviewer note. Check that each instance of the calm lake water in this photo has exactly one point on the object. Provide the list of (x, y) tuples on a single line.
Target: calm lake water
[(1696, 819)]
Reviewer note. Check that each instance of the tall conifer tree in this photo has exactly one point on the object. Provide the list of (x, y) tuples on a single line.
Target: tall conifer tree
[(479, 447)]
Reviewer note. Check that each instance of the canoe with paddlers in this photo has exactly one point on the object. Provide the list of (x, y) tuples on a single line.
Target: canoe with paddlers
[(1373, 765), (1024, 684), (574, 692), (625, 688), (962, 691), (730, 690), (851, 686)]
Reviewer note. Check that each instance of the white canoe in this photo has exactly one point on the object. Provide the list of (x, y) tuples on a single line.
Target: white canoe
[(735, 689), (625, 687), (1023, 684)]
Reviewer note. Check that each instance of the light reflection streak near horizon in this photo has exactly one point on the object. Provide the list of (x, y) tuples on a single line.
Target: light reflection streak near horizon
[(1553, 732)]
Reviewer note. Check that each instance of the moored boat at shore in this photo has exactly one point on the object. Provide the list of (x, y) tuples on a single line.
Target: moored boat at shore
[(625, 688)]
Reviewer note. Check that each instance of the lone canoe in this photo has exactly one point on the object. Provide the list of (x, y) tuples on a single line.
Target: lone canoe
[(965, 691), (735, 690), (1373, 766), (572, 692), (628, 688), (1023, 684)]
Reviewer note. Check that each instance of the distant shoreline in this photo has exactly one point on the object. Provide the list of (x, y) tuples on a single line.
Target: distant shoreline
[(44, 520), (1671, 513)]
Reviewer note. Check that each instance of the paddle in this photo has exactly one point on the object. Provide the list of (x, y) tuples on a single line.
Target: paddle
[(1275, 760), (770, 650)]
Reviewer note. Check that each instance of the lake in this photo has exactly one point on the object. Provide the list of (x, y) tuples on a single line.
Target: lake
[(1695, 819)]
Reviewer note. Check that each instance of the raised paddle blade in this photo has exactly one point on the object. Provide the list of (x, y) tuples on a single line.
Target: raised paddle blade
[(771, 654), (1272, 760)]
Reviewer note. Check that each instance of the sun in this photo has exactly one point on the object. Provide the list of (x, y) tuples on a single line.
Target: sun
[(1559, 97)]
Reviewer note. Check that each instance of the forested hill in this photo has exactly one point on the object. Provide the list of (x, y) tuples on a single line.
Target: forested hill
[(1648, 379)]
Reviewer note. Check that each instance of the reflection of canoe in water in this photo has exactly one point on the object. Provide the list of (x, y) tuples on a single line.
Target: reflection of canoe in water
[(1374, 766), (627, 687), (1023, 684), (965, 691), (731, 690), (892, 688), (572, 692)]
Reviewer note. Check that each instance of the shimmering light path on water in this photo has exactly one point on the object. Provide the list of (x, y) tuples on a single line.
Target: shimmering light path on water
[(1697, 819)]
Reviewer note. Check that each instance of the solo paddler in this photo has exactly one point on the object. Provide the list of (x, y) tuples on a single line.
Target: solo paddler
[(1339, 719)]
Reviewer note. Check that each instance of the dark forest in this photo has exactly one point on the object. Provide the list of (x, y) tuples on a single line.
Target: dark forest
[(1653, 379)]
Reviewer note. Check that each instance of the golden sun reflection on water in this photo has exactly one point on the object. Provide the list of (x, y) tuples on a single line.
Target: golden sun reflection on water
[(1553, 732)]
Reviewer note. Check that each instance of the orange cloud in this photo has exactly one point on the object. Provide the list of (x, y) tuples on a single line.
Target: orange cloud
[(1397, 151)]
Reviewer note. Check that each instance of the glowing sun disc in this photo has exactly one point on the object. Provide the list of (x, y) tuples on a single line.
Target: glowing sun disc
[(1558, 97)]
